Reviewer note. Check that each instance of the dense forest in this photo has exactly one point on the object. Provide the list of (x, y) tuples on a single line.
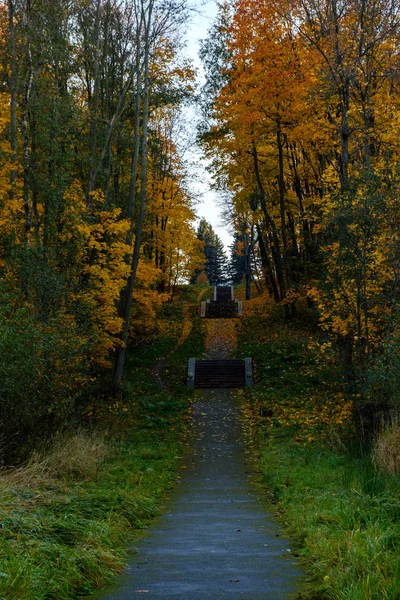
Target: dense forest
[(301, 110), (96, 215)]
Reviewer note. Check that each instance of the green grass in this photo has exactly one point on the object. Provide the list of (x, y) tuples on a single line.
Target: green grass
[(65, 521), (175, 368), (343, 515), (63, 537), (193, 293)]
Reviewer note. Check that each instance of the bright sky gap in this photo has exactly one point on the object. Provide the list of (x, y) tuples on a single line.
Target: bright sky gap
[(209, 200)]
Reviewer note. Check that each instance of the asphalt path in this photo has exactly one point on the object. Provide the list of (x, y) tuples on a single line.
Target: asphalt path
[(217, 539)]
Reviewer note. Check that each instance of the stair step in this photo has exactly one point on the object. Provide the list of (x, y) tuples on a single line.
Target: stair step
[(210, 374), (222, 309), (224, 292)]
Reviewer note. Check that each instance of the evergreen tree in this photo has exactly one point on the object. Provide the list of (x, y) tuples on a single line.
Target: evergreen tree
[(215, 264), (217, 267)]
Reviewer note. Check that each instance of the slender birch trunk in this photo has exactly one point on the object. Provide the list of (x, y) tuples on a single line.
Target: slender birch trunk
[(95, 103), (14, 95), (121, 353)]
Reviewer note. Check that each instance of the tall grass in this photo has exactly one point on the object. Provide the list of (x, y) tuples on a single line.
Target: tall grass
[(342, 513), (386, 450), (67, 515)]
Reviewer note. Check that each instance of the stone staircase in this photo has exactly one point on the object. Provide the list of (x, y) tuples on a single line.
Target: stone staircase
[(223, 306), (220, 373)]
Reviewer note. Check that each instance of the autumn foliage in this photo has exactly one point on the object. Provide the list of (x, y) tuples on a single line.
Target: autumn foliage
[(303, 130), (89, 105)]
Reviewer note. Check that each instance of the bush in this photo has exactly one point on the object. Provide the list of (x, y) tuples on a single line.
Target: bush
[(44, 372)]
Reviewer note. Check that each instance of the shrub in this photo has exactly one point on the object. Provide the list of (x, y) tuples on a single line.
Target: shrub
[(44, 373)]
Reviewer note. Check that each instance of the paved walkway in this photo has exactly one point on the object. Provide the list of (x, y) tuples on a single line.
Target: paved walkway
[(217, 540)]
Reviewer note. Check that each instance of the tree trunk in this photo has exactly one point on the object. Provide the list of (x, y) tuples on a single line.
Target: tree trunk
[(14, 95), (95, 103), (268, 271), (121, 353), (136, 140), (269, 221), (345, 344), (282, 206), (26, 158), (247, 256)]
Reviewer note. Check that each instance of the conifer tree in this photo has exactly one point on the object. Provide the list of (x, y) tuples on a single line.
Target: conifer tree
[(215, 263)]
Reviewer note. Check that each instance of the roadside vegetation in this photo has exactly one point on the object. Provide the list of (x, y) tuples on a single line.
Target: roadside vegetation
[(299, 126), (336, 491), (68, 514)]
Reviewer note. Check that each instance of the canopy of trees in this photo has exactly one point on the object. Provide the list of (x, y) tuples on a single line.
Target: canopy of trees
[(95, 212), (302, 112)]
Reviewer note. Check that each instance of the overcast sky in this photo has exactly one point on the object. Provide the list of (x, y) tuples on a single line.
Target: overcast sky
[(208, 206)]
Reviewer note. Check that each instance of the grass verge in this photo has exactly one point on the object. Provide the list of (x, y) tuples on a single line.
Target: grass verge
[(67, 516), (342, 513)]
